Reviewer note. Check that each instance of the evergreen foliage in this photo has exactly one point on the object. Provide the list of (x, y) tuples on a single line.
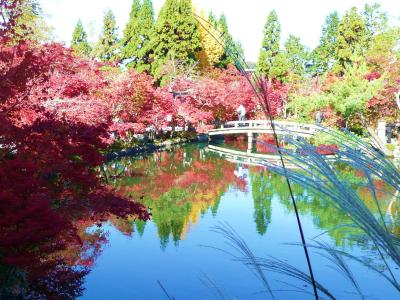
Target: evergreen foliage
[(352, 38), (280, 68), (137, 34), (376, 21), (323, 58), (270, 47), (146, 17), (296, 55), (131, 38), (348, 96), (79, 42), (31, 24), (107, 47), (381, 53), (176, 36), (226, 58)]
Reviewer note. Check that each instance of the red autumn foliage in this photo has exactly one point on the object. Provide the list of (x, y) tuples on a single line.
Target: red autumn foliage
[(217, 97), (383, 105), (10, 10), (266, 144), (372, 76), (326, 149), (49, 149), (56, 113), (277, 92), (331, 118), (137, 103)]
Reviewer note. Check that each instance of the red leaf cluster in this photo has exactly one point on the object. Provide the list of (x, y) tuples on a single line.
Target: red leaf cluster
[(52, 126), (372, 76), (326, 149)]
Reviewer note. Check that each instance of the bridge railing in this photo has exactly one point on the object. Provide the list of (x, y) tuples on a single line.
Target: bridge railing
[(280, 125)]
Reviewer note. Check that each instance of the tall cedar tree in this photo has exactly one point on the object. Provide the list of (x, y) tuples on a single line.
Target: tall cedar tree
[(135, 43), (280, 68), (324, 56), (131, 38), (226, 58), (79, 43), (376, 21), (296, 55), (270, 44), (107, 46), (352, 38), (146, 18), (176, 36)]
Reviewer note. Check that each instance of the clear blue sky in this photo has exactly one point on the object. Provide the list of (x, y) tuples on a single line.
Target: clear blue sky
[(302, 18)]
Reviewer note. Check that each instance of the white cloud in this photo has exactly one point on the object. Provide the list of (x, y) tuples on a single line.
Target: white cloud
[(245, 18)]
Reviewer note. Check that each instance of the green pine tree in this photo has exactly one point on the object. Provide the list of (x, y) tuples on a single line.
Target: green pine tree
[(107, 47), (226, 58), (296, 55), (146, 17), (212, 19), (280, 67), (176, 36), (352, 38), (323, 58), (376, 21), (270, 45), (79, 43), (137, 34), (131, 39)]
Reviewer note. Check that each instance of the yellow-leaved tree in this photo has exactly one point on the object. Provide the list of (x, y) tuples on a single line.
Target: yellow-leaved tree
[(212, 50)]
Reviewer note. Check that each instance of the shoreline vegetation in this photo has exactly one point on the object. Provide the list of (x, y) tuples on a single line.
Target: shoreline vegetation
[(145, 145)]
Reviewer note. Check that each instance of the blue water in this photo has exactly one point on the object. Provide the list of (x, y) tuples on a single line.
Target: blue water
[(140, 267)]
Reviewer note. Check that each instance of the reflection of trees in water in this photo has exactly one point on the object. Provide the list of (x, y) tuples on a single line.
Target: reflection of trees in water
[(262, 191), (169, 215), (48, 253), (178, 186), (266, 185), (181, 185)]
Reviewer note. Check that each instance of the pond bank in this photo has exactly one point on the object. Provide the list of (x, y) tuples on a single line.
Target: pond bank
[(156, 146)]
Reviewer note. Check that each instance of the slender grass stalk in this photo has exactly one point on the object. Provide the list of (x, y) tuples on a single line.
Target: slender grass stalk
[(165, 291), (235, 241), (213, 286), (260, 89), (341, 264), (259, 265), (321, 175)]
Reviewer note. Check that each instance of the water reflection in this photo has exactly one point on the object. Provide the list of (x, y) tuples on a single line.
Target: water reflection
[(182, 185), (178, 186), (46, 249)]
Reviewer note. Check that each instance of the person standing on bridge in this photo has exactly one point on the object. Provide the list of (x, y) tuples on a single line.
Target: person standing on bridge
[(319, 117), (241, 111)]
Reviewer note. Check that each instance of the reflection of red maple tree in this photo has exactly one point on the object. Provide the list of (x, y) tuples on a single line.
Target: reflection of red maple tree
[(52, 128), (205, 179)]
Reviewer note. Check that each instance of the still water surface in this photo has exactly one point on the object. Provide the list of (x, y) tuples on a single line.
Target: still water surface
[(191, 190)]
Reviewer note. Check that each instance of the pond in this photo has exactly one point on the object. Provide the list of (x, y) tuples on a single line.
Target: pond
[(192, 190)]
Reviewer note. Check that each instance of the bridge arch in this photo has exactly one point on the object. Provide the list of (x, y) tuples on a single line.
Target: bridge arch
[(254, 127)]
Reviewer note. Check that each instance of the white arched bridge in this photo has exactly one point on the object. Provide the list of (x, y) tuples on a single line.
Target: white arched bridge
[(264, 126), (254, 127)]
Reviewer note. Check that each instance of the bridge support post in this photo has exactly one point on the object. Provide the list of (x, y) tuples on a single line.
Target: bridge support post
[(251, 139)]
